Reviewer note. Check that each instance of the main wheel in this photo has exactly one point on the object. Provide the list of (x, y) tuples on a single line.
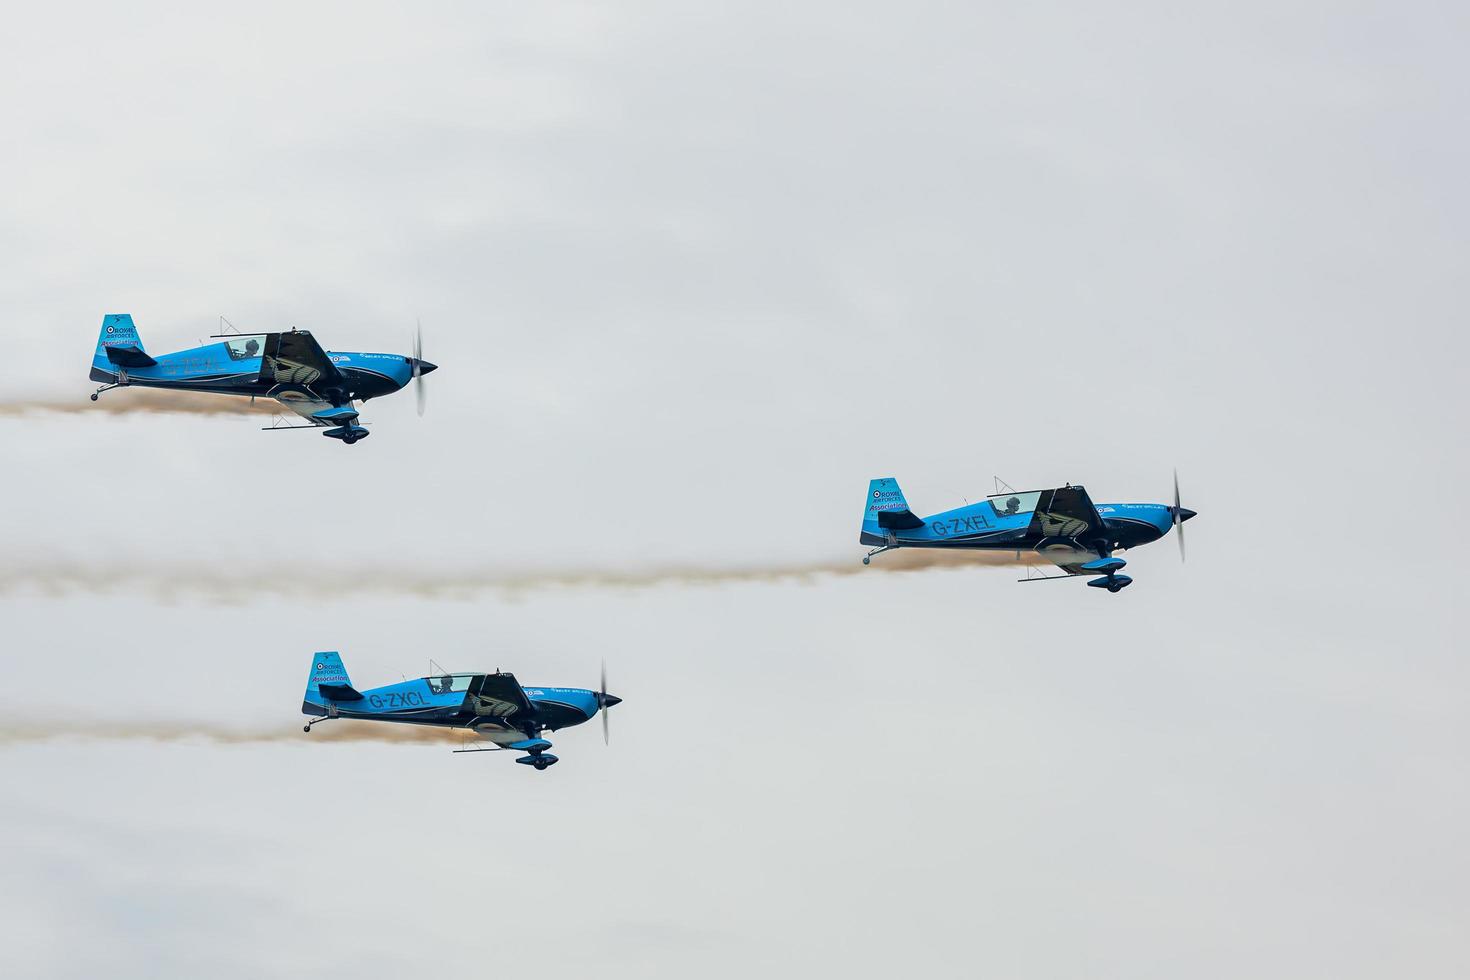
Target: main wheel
[(348, 440), (540, 764), (1115, 589)]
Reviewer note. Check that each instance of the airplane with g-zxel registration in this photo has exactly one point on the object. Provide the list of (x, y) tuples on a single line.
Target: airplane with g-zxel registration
[(291, 367), (493, 707), (1061, 525)]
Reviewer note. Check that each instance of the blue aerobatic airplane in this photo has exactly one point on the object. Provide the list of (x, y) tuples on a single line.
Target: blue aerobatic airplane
[(1061, 525), (290, 367), (493, 707)]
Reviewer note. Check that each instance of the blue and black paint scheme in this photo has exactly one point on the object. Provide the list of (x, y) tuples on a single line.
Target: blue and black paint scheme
[(290, 367), (1060, 524), (494, 707)]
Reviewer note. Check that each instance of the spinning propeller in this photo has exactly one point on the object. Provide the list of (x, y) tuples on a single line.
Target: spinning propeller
[(605, 701), (1180, 515), (418, 366)]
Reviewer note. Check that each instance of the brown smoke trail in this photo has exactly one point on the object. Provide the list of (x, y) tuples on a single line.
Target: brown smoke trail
[(226, 585), (145, 400), (341, 730)]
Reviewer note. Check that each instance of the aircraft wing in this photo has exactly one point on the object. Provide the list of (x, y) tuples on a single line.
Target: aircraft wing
[(1067, 512), (299, 359), (316, 410), (1081, 563), (501, 696)]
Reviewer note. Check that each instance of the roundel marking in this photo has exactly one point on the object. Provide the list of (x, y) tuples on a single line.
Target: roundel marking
[(109, 328), (876, 494), (320, 667)]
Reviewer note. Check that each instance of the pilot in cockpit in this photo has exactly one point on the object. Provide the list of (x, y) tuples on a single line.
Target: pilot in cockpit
[(252, 347), (1013, 506)]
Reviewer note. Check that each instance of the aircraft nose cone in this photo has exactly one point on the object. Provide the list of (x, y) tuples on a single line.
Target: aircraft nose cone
[(1185, 514), (608, 700), (427, 367)]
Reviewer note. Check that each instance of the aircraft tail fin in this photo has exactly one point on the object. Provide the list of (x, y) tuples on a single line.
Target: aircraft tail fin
[(328, 680), (887, 509), (119, 346)]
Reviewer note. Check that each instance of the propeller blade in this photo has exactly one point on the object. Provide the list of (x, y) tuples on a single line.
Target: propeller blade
[(1178, 522), (420, 395), (602, 702)]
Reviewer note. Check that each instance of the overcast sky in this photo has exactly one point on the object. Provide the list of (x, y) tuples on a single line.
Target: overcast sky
[(693, 275)]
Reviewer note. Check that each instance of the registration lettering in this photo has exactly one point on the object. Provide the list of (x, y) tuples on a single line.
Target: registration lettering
[(406, 699), (955, 525)]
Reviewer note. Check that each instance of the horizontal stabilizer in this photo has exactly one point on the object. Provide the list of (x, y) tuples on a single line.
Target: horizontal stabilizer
[(339, 692), (132, 357), (901, 520)]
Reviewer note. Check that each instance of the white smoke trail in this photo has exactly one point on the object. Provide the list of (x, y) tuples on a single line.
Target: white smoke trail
[(235, 585), (14, 733), (144, 400)]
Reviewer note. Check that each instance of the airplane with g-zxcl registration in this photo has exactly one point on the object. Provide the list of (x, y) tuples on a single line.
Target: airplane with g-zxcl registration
[(493, 707), (291, 367), (1061, 525)]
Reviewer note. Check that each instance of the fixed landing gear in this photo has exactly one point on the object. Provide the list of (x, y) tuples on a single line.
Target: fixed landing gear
[(537, 755), (1112, 582), (347, 433), (1110, 567), (890, 544), (108, 387), (868, 558)]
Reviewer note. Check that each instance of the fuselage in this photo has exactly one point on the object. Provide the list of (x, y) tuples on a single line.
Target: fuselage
[(987, 526), (231, 368), (445, 702)]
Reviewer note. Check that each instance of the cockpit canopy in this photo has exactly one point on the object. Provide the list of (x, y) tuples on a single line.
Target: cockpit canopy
[(450, 683), (1012, 504), (245, 348)]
